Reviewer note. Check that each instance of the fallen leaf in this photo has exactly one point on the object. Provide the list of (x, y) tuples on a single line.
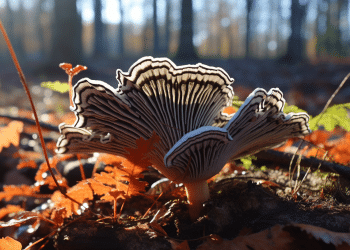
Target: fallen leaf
[(9, 209), (23, 190), (10, 134), (10, 244)]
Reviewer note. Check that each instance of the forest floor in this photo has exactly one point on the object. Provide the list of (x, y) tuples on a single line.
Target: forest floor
[(261, 205)]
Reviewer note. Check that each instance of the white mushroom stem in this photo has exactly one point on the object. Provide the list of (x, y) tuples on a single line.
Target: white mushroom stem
[(197, 194)]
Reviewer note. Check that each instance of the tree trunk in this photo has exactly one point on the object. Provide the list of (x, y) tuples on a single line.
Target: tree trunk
[(20, 33), (167, 28), (99, 30), (120, 38), (249, 4), (67, 30), (156, 49), (39, 29), (186, 50), (8, 22), (295, 47), (334, 47)]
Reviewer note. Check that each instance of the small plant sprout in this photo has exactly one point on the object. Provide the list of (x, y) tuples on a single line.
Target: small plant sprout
[(183, 105)]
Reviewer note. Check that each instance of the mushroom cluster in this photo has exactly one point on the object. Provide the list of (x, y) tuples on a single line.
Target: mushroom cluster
[(183, 105)]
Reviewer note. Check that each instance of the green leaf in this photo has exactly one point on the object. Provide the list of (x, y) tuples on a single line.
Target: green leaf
[(292, 108), (247, 161), (57, 86), (334, 116), (236, 102)]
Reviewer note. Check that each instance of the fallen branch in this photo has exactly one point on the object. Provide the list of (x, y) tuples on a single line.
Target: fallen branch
[(283, 160), (31, 122)]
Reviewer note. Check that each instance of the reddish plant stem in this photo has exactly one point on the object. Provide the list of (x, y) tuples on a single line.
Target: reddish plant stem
[(24, 83), (81, 167), (70, 80)]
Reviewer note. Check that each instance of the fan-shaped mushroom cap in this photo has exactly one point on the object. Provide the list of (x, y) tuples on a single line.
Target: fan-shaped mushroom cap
[(259, 124), (154, 95), (183, 105)]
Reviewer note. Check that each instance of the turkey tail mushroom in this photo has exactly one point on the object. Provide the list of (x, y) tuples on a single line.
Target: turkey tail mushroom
[(183, 105)]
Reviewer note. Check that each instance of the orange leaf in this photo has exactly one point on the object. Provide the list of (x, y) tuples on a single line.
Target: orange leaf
[(114, 194), (27, 164), (10, 134), (23, 190), (98, 188), (135, 186), (124, 176), (27, 155), (10, 244), (66, 66), (80, 192), (72, 71), (77, 69), (9, 209), (229, 110), (140, 156), (58, 215)]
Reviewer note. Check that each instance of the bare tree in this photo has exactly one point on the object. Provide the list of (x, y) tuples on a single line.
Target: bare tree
[(167, 27), (39, 29), (67, 30), (99, 30), (295, 47), (329, 43), (249, 5), (8, 20), (120, 38), (156, 49), (186, 49)]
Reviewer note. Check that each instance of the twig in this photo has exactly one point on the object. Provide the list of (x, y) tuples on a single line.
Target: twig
[(331, 98), (290, 165)]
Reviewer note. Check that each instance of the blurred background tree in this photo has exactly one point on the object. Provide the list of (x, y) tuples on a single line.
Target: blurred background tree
[(250, 39), (73, 30)]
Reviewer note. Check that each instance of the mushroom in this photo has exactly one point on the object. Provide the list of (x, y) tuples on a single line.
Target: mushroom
[(183, 105)]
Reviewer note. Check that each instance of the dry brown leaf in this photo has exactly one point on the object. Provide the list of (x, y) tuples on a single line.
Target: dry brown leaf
[(158, 229), (269, 239), (328, 237), (183, 246), (58, 215), (25, 217)]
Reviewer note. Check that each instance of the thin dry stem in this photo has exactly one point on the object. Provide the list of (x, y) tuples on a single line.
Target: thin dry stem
[(333, 95), (24, 83), (290, 164)]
